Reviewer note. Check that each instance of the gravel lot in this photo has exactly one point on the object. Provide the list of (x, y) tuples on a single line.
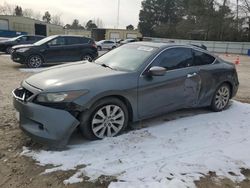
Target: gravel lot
[(18, 171)]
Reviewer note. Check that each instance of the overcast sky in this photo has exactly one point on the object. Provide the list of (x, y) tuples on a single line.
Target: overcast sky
[(87, 9)]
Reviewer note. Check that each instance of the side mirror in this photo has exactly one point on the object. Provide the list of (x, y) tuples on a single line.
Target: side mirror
[(157, 71)]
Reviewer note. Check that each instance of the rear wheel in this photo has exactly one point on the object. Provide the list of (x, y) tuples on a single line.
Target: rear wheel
[(87, 57), (99, 48), (221, 98), (8, 50), (34, 61), (107, 118)]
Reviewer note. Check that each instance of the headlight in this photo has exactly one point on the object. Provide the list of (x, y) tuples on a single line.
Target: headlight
[(22, 50), (60, 96)]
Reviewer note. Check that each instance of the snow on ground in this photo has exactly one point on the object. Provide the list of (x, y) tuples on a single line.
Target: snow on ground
[(33, 70), (165, 154)]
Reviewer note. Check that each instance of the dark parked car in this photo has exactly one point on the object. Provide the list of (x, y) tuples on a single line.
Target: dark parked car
[(5, 45), (55, 49), (130, 83)]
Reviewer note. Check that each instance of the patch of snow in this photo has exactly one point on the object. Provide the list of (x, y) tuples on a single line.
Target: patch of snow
[(166, 154), (33, 70)]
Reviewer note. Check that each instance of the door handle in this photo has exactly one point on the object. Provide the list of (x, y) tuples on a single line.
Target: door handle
[(192, 75)]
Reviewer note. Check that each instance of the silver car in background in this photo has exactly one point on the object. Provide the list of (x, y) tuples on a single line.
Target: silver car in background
[(106, 45)]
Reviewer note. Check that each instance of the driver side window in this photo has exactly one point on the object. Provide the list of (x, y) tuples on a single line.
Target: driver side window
[(175, 58), (57, 42)]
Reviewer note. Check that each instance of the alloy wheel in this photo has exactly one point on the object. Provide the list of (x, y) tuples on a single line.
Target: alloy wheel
[(222, 97), (35, 61), (108, 121), (87, 58)]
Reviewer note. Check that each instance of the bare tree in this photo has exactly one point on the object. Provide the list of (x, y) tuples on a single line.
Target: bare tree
[(99, 22), (244, 8), (7, 9), (31, 14), (56, 19)]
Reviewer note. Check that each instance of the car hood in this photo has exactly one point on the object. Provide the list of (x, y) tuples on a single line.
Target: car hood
[(23, 46), (72, 76)]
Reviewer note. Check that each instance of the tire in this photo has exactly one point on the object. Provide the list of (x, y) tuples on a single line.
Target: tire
[(221, 98), (87, 57), (95, 123), (34, 61), (99, 48), (113, 47), (8, 50)]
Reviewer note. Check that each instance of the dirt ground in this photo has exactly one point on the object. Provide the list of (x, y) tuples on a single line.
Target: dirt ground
[(22, 172)]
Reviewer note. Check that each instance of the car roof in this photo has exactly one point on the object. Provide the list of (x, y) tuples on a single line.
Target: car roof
[(164, 45), (32, 35), (79, 36)]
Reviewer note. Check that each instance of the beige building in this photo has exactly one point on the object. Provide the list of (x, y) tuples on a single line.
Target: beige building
[(28, 25), (115, 34), (112, 34), (80, 32)]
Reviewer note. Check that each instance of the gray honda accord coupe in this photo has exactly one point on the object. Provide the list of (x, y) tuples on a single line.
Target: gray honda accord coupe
[(131, 83)]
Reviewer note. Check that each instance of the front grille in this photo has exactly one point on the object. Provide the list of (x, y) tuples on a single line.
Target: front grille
[(22, 94)]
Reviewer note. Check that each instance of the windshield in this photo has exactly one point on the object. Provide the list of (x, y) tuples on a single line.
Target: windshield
[(15, 38), (126, 58), (43, 41)]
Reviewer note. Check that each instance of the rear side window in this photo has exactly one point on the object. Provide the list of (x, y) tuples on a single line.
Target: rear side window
[(73, 40), (108, 42), (86, 40), (201, 58), (39, 38), (31, 38), (175, 58)]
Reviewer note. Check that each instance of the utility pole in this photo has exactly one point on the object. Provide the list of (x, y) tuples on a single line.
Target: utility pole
[(118, 14)]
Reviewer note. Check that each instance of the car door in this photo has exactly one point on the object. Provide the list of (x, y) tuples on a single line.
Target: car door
[(206, 66), (54, 50), (176, 89), (73, 48), (105, 45)]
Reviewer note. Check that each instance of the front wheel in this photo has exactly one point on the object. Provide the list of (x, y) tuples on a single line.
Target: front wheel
[(34, 61), (221, 98), (107, 118)]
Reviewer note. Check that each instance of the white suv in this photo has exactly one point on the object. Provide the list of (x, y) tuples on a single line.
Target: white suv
[(106, 44)]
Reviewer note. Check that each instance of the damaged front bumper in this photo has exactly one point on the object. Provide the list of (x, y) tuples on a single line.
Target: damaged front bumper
[(43, 124)]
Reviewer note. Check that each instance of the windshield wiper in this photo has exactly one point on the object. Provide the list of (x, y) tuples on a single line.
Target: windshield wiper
[(107, 66)]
